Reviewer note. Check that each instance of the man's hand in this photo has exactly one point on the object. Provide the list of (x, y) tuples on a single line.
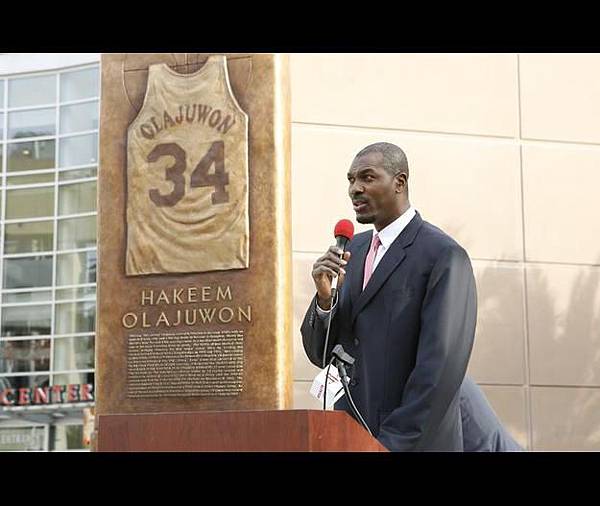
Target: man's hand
[(324, 269)]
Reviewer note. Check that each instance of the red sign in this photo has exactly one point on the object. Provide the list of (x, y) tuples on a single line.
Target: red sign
[(56, 394)]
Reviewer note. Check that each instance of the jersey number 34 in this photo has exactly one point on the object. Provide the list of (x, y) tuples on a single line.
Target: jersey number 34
[(199, 178)]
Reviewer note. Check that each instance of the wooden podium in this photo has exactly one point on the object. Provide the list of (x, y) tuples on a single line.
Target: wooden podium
[(235, 431)]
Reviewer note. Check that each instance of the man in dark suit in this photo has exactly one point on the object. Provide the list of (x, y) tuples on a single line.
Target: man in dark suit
[(406, 312)]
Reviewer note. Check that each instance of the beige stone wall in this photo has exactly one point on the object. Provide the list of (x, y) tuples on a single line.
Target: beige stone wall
[(504, 153)]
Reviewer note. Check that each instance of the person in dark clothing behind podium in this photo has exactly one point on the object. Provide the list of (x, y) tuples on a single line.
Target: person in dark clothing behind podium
[(482, 430), (405, 310)]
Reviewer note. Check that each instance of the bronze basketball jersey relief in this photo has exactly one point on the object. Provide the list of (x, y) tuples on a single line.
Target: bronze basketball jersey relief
[(187, 175)]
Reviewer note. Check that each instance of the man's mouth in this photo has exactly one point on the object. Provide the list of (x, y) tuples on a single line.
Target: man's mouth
[(359, 205)]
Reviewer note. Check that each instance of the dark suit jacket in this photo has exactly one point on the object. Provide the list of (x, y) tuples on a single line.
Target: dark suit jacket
[(411, 332), (482, 429)]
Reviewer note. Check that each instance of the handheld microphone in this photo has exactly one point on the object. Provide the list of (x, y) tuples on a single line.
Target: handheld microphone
[(343, 232)]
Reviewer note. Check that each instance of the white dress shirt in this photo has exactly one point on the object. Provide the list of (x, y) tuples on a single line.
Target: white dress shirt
[(387, 236)]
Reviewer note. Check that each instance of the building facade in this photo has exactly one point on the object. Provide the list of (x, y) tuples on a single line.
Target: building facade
[(49, 106), (504, 155)]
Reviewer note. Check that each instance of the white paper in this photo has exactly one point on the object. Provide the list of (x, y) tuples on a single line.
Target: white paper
[(335, 389)]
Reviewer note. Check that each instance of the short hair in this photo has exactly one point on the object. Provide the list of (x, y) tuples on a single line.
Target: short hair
[(394, 159)]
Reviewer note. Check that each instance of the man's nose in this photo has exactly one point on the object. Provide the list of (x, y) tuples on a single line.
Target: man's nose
[(355, 188)]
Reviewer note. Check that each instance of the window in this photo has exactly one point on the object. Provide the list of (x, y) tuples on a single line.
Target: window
[(45, 177), (77, 198), (28, 91), (25, 381), (78, 117), (76, 268), (79, 84), (79, 150), (88, 292), (33, 123), (75, 317), (37, 296), (73, 353), (69, 175), (66, 437), (28, 237), (30, 155), (30, 203), (25, 356), (73, 378), (27, 272), (74, 233), (26, 320)]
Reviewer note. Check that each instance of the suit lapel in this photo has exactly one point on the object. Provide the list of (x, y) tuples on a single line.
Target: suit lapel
[(390, 261)]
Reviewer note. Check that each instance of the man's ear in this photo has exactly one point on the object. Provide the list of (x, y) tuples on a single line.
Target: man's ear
[(401, 182)]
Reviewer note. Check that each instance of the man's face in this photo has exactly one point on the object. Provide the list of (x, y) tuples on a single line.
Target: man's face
[(373, 191)]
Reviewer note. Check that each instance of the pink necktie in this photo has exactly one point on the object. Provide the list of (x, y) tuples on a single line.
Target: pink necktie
[(375, 243)]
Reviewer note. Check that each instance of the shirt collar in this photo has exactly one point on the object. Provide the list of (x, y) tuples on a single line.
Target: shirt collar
[(388, 234)]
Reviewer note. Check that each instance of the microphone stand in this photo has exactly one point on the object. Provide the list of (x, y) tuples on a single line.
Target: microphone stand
[(341, 359)]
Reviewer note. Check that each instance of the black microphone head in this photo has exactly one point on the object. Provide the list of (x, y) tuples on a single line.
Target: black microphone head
[(339, 352)]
